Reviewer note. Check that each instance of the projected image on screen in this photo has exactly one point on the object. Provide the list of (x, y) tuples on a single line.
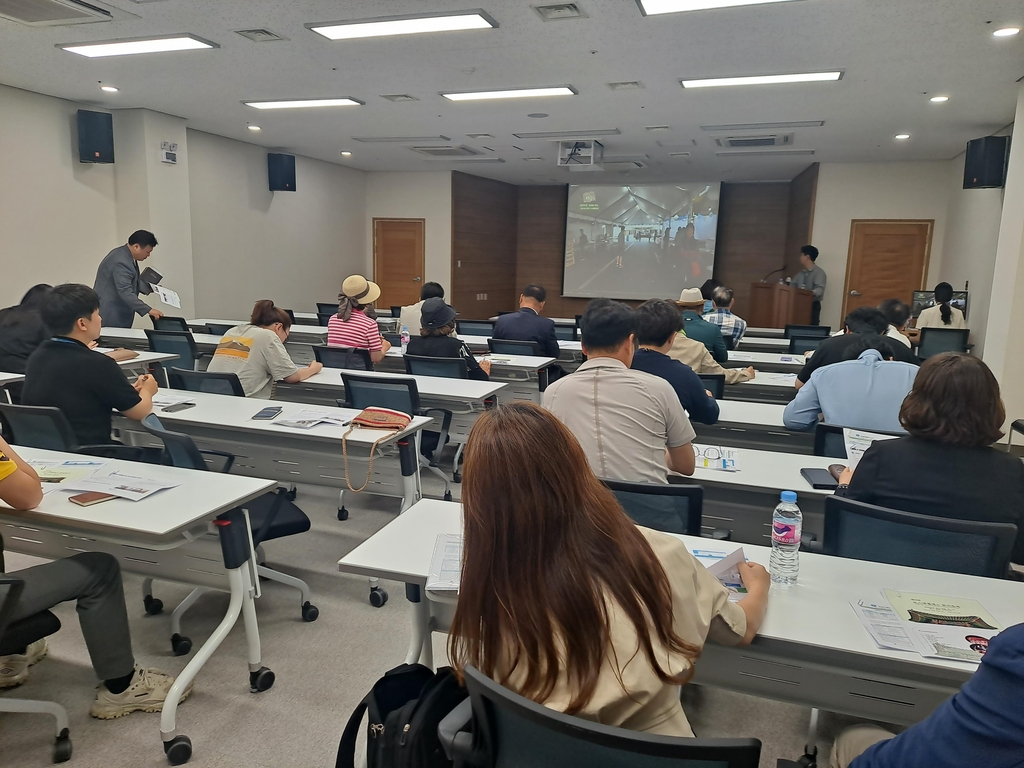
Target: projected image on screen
[(639, 242)]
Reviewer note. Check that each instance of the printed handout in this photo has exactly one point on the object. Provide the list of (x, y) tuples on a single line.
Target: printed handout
[(167, 296), (119, 484)]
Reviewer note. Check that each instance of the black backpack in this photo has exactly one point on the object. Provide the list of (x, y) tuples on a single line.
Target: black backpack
[(404, 709)]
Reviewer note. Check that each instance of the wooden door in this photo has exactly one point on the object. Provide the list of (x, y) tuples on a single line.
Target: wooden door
[(888, 259), (398, 248)]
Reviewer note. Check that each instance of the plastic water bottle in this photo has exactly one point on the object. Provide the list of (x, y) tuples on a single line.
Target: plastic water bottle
[(787, 524), (405, 338)]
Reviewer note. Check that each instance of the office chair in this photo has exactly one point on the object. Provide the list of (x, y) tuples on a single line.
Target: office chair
[(396, 311), (1017, 426), (327, 307), (799, 343), (443, 367), (46, 427), (291, 316), (180, 343), (670, 508), (510, 730), (219, 329), (206, 381), (935, 341), (271, 516), (324, 318), (822, 331), (474, 328), (343, 357), (14, 638), (167, 323), (567, 333), (713, 383), (829, 440), (394, 339), (509, 347)]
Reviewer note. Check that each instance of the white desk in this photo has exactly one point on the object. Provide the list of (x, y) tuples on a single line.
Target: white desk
[(298, 334), (743, 424), (135, 338), (766, 361), (569, 321), (811, 649), (767, 333), (765, 387), (524, 375), (763, 344), (164, 537)]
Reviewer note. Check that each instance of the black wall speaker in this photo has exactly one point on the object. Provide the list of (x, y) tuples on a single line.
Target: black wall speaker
[(281, 171), (95, 137), (985, 164)]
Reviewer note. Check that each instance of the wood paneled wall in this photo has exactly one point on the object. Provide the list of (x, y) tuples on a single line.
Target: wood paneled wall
[(484, 225), (802, 191)]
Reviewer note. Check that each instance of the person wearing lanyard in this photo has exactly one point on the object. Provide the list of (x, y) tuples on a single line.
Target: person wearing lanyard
[(812, 278), (119, 283)]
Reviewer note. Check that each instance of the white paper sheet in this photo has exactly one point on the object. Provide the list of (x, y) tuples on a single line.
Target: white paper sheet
[(883, 624), (445, 564), (741, 356), (165, 399), (308, 418), (167, 296), (936, 641), (857, 442), (53, 474), (119, 484), (717, 457)]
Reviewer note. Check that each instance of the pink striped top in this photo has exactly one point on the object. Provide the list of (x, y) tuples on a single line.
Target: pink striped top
[(359, 332)]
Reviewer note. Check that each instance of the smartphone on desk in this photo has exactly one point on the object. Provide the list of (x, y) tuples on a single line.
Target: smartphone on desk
[(177, 407), (89, 498), (820, 479), (268, 413)]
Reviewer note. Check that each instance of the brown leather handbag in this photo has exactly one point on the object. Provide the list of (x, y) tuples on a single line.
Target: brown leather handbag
[(373, 418)]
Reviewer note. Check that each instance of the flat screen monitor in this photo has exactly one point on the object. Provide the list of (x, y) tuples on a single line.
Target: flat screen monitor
[(925, 299)]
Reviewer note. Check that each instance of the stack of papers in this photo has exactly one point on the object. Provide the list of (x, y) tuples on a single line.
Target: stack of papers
[(117, 483), (934, 626), (308, 418), (166, 399), (717, 457), (445, 564)]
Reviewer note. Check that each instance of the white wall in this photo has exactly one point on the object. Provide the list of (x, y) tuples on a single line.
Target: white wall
[(249, 243), (415, 195), (57, 216), (847, 191)]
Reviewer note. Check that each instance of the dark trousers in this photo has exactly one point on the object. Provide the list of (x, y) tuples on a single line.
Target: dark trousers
[(815, 312)]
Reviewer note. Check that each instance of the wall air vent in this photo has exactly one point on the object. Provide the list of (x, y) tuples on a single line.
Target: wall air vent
[(447, 151), (53, 13), (764, 140)]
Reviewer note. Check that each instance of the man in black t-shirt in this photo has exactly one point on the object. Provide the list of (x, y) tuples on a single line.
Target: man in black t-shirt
[(866, 320), (65, 372)]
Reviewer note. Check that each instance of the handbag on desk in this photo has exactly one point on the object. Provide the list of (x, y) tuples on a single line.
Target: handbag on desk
[(373, 418)]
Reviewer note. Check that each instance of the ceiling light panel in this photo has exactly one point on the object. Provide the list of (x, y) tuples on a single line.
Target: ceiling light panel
[(799, 77), (388, 26), (512, 93), (569, 135), (399, 139), (132, 47), (762, 126), (658, 7), (303, 103), (763, 152), (1006, 32)]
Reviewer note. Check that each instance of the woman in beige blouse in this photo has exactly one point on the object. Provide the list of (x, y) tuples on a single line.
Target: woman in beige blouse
[(942, 315), (564, 600)]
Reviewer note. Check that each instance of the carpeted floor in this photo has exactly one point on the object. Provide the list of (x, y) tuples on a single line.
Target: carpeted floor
[(323, 669)]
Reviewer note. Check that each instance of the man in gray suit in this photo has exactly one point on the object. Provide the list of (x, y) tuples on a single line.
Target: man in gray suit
[(119, 285)]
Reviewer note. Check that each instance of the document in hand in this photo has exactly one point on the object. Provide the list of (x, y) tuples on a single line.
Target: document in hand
[(119, 484), (857, 442), (167, 296), (723, 566)]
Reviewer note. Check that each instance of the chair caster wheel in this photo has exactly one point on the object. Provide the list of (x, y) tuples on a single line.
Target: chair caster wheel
[(261, 680), (178, 750), (309, 611), (153, 605), (180, 644), (378, 596), (342, 513), (62, 747), (447, 495), (292, 494), (456, 477)]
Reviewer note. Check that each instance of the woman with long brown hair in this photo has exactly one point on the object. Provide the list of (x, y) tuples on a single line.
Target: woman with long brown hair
[(564, 599)]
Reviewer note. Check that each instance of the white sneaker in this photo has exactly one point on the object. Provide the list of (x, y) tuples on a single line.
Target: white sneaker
[(146, 693), (14, 668)]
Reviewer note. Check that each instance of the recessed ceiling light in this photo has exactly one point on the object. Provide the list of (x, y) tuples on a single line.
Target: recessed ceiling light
[(901, 136), (656, 7), (346, 153), (1006, 32), (303, 103), (939, 99), (108, 88), (801, 77), (255, 128), (404, 25), (512, 93), (130, 47)]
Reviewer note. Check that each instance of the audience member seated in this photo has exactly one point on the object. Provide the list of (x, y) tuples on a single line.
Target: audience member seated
[(897, 313), (863, 320), (351, 327), (410, 316), (66, 373), (630, 422), (866, 391), (564, 599), (733, 326), (707, 291), (255, 352), (692, 303), (93, 579), (435, 339), (528, 325), (22, 329), (981, 725), (658, 323), (947, 466), (694, 354), (942, 315)]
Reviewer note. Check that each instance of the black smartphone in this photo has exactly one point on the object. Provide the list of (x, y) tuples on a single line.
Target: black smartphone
[(177, 407), (268, 413), (820, 479)]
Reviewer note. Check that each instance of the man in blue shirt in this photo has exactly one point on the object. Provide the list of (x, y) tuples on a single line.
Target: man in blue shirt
[(865, 391), (658, 322), (691, 303), (982, 725), (733, 326)]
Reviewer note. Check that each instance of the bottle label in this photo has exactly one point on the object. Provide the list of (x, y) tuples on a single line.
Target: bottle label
[(785, 533)]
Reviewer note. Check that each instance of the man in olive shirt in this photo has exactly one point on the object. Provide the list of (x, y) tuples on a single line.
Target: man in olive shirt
[(811, 278)]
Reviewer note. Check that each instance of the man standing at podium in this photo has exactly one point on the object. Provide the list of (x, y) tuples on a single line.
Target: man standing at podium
[(812, 278)]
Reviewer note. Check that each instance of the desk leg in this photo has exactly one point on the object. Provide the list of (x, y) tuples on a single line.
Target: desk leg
[(410, 473), (421, 649), (260, 678)]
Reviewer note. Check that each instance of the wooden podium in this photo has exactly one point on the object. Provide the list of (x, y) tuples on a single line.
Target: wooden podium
[(774, 305)]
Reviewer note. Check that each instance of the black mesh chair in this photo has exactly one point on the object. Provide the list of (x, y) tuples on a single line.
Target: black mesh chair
[(935, 341), (180, 343), (713, 383), (496, 727), (800, 343), (15, 637), (167, 323), (291, 315), (324, 318), (474, 327), (327, 307), (206, 381), (219, 329), (510, 347), (670, 508), (829, 440), (399, 394), (822, 331), (863, 531), (396, 311), (566, 332), (271, 516), (348, 358), (443, 367), (1018, 427), (394, 339), (46, 427)]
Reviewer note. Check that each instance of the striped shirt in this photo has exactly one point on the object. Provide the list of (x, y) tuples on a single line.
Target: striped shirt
[(360, 332)]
